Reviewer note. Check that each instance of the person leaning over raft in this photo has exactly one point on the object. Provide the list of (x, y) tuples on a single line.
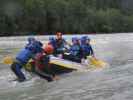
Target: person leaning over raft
[(30, 50), (42, 66)]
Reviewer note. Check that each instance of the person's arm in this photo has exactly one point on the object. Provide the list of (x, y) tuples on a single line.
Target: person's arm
[(67, 44), (92, 52)]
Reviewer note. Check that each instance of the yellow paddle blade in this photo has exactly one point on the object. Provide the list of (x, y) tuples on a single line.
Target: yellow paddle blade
[(29, 66), (97, 63), (7, 60)]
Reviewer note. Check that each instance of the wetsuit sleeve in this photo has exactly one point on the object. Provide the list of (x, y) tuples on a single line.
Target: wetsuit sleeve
[(91, 51)]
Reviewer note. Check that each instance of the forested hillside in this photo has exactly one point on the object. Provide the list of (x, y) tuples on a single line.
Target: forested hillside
[(69, 16)]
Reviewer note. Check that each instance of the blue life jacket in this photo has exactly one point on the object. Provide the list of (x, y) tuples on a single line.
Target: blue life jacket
[(60, 46), (38, 47), (29, 51), (75, 50), (86, 50), (24, 56), (34, 47), (60, 43)]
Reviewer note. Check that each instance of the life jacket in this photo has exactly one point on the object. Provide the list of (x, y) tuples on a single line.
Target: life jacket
[(60, 43), (24, 56), (29, 52), (86, 50), (41, 61), (60, 46), (34, 47), (75, 50)]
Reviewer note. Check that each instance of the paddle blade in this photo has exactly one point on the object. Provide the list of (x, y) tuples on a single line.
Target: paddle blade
[(29, 66), (8, 60), (97, 63)]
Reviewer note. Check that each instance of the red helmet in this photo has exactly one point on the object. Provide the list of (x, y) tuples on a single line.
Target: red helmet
[(48, 49)]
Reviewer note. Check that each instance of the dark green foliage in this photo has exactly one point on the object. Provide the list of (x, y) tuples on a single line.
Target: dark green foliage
[(69, 16)]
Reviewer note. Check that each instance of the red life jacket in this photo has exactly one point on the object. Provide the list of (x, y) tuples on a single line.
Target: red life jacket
[(40, 61)]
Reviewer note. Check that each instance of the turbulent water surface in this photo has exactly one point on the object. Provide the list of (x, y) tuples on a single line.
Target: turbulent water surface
[(113, 83)]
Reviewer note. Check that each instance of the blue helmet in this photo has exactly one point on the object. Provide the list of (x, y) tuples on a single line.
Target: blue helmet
[(75, 39), (84, 38), (30, 39)]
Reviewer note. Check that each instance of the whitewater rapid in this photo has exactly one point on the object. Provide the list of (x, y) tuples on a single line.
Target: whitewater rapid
[(113, 83)]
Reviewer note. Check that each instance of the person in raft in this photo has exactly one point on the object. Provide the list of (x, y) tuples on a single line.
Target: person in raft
[(23, 57), (42, 65), (75, 52), (86, 47), (60, 44)]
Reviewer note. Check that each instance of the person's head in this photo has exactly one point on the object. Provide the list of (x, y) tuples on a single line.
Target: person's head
[(48, 49), (31, 39), (85, 40), (59, 35), (75, 40)]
